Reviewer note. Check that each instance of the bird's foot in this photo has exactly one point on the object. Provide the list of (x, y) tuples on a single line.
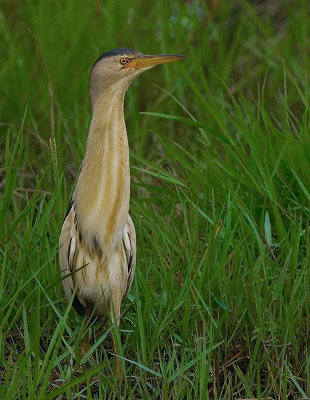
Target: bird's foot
[(118, 370), (84, 349)]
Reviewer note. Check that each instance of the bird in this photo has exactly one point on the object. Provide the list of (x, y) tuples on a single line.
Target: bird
[(97, 244)]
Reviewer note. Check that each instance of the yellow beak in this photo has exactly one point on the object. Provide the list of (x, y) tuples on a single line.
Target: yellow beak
[(145, 61)]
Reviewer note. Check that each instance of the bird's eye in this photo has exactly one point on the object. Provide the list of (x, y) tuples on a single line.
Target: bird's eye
[(124, 60)]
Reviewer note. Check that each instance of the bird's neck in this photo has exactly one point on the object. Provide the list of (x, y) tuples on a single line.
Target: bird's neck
[(102, 192)]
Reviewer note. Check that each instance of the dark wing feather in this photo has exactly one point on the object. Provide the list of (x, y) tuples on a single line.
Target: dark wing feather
[(68, 241), (129, 243)]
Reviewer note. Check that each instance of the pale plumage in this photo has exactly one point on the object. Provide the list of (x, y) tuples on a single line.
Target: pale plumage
[(97, 246), (96, 277)]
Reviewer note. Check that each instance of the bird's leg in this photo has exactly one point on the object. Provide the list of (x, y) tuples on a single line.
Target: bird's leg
[(85, 344), (115, 312)]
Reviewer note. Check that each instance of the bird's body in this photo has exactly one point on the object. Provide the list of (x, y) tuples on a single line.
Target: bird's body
[(98, 231), (97, 246), (101, 281)]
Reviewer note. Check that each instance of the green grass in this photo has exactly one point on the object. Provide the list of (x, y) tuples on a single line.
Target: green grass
[(220, 144)]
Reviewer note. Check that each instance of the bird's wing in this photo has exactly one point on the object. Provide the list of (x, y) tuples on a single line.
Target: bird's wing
[(67, 248), (129, 242), (67, 255)]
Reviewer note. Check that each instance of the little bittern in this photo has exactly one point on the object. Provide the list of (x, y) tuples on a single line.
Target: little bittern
[(97, 245)]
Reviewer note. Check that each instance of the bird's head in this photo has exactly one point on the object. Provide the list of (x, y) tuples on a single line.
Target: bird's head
[(116, 69)]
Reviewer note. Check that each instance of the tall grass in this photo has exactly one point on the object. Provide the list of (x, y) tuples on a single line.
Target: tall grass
[(220, 146)]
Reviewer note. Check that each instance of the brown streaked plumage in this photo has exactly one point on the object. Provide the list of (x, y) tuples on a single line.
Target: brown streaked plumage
[(97, 245)]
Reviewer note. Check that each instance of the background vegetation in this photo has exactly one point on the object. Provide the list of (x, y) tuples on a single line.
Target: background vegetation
[(220, 148)]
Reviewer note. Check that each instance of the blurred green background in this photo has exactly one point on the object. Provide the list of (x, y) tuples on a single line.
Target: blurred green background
[(220, 150)]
